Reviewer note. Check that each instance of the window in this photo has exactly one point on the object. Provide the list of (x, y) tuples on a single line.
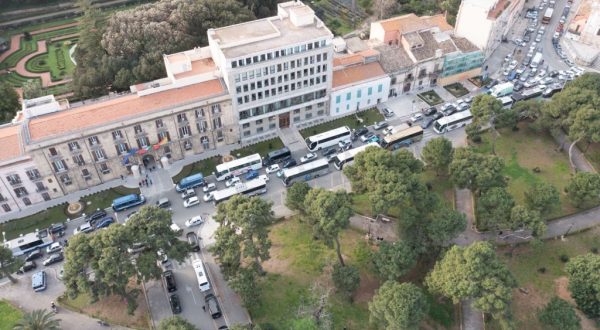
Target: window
[(202, 126), (46, 196), (99, 155), (217, 123), (199, 113), (59, 166), (259, 122), (164, 136), (6, 207), (246, 125), (142, 142), (74, 146), (187, 145), (205, 141), (2, 198), (338, 99), (181, 118), (78, 159), (159, 123), (246, 133), (65, 179), (259, 130), (33, 174), (234, 64), (26, 201), (320, 112), (40, 187), (122, 148), (86, 174), (137, 129), (21, 191), (14, 179), (93, 140), (52, 152), (104, 168), (117, 135), (358, 94), (348, 96), (370, 91), (380, 88), (185, 131)]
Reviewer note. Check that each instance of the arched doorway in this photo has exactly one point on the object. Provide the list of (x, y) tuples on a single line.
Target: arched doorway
[(149, 161)]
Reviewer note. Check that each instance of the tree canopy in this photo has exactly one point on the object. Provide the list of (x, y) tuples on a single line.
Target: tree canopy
[(38, 319), (9, 102), (584, 188), (584, 283), (475, 171), (295, 196), (398, 306), (542, 197), (394, 260), (437, 154), (493, 208), (175, 323), (346, 279), (8, 263), (559, 315)]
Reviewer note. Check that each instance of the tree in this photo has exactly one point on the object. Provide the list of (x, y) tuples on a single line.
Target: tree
[(38, 319), (493, 208), (583, 188), (329, 213), (9, 102), (585, 124), (584, 283), (443, 226), (32, 89), (475, 171), (393, 260), (245, 284), (474, 272), (559, 315), (295, 196), (243, 233), (8, 263), (346, 279), (521, 217), (451, 9), (175, 323), (437, 154), (542, 197), (485, 108), (398, 306), (383, 8), (530, 109)]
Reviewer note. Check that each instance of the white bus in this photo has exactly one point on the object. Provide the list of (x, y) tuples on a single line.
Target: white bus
[(329, 138), (347, 157), (28, 242), (201, 275), (250, 188), (403, 138), (446, 124), (305, 172), (238, 166)]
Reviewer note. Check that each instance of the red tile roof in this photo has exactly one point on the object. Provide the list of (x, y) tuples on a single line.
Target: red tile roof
[(10, 142), (357, 73)]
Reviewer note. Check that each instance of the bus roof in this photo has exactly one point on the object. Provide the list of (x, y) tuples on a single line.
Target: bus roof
[(453, 117), (353, 152), (278, 152), (236, 162), (238, 188), (191, 178), (334, 131), (23, 240), (400, 134), (304, 167), (126, 199)]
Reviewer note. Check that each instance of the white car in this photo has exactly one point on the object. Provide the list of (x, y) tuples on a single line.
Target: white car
[(308, 157), (194, 221), (191, 201), (208, 197), (209, 187), (86, 227), (232, 181), (416, 117), (176, 229), (54, 247), (188, 193), (273, 168), (388, 130)]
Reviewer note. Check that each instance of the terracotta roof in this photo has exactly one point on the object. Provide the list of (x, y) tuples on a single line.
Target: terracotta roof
[(464, 45), (411, 22), (177, 57), (357, 58), (118, 109), (394, 58), (357, 73), (10, 142), (198, 67)]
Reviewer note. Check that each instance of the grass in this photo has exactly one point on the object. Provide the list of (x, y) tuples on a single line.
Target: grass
[(58, 213), (205, 166), (524, 263), (430, 97), (9, 315), (524, 150), (456, 89), (261, 148), (59, 61), (592, 153), (367, 117)]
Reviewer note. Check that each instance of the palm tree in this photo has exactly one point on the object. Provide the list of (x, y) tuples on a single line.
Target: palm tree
[(39, 319)]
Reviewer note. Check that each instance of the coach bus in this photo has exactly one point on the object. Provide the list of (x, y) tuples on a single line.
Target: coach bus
[(305, 172), (27, 243), (277, 156), (129, 201), (201, 276), (191, 181), (347, 157), (446, 124), (329, 138), (249, 188), (238, 166), (403, 138)]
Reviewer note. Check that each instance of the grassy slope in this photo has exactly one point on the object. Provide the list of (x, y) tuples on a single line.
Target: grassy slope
[(205, 166), (9, 315), (261, 148), (369, 117)]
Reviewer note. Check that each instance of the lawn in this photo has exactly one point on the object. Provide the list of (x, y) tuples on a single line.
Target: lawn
[(57, 213), (59, 61), (456, 89), (9, 315), (205, 166), (430, 97), (365, 118), (524, 150), (526, 264), (261, 148)]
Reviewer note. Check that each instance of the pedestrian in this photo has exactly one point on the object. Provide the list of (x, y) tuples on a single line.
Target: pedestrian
[(150, 181), (140, 183), (146, 175), (204, 308), (146, 182)]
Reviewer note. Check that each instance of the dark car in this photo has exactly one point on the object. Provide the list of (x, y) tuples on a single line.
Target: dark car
[(289, 163), (437, 116), (360, 131), (193, 241), (491, 84), (213, 306), (553, 74), (426, 122), (54, 258), (429, 111), (329, 151), (57, 228), (105, 222), (169, 279), (92, 218), (27, 266), (517, 87), (35, 254), (175, 303), (449, 111)]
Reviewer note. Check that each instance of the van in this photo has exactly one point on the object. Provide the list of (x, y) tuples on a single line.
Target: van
[(163, 203), (169, 279), (38, 281), (193, 241), (213, 306)]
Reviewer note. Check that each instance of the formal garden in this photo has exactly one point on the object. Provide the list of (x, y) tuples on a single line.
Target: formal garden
[(456, 89), (430, 97)]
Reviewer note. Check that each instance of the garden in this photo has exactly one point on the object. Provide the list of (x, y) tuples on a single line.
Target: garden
[(261, 148), (430, 97), (9, 315), (56, 61), (456, 89), (354, 121)]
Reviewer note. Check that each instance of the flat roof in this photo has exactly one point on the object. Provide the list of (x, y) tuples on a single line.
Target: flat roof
[(81, 118), (10, 142), (411, 23), (198, 67), (356, 73)]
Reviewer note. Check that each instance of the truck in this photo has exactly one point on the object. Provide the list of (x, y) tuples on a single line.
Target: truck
[(501, 90), (547, 15), (527, 94), (537, 60)]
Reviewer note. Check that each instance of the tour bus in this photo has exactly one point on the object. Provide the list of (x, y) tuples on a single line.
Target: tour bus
[(277, 156), (507, 101), (446, 124), (238, 166), (305, 172), (329, 138), (403, 138), (38, 281), (28, 242), (191, 181), (347, 157), (201, 276), (129, 201), (250, 188)]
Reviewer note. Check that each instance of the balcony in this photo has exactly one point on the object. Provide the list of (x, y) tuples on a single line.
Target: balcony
[(15, 182), (35, 178), (42, 189)]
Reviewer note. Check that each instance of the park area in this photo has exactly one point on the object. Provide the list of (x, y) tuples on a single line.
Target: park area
[(9, 315), (364, 118)]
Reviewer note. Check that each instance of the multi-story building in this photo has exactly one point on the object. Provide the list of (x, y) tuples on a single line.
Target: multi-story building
[(582, 39), (277, 69), (486, 22)]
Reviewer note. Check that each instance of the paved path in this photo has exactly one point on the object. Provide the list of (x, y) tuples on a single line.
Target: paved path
[(581, 163)]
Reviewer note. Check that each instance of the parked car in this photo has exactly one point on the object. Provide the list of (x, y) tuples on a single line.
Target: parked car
[(192, 201), (274, 168), (388, 130), (468, 99), (99, 214), (163, 203), (194, 221), (57, 228), (83, 228), (387, 113), (175, 303), (380, 125), (251, 175), (192, 239), (35, 254), (136, 248), (103, 223), (176, 229), (289, 163), (437, 116), (169, 280), (427, 122), (376, 138), (344, 144), (415, 117), (232, 181), (462, 106), (212, 305), (429, 111), (27, 266), (309, 157), (54, 258), (209, 187), (54, 248), (188, 193), (360, 131), (208, 197), (329, 151), (367, 136)]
